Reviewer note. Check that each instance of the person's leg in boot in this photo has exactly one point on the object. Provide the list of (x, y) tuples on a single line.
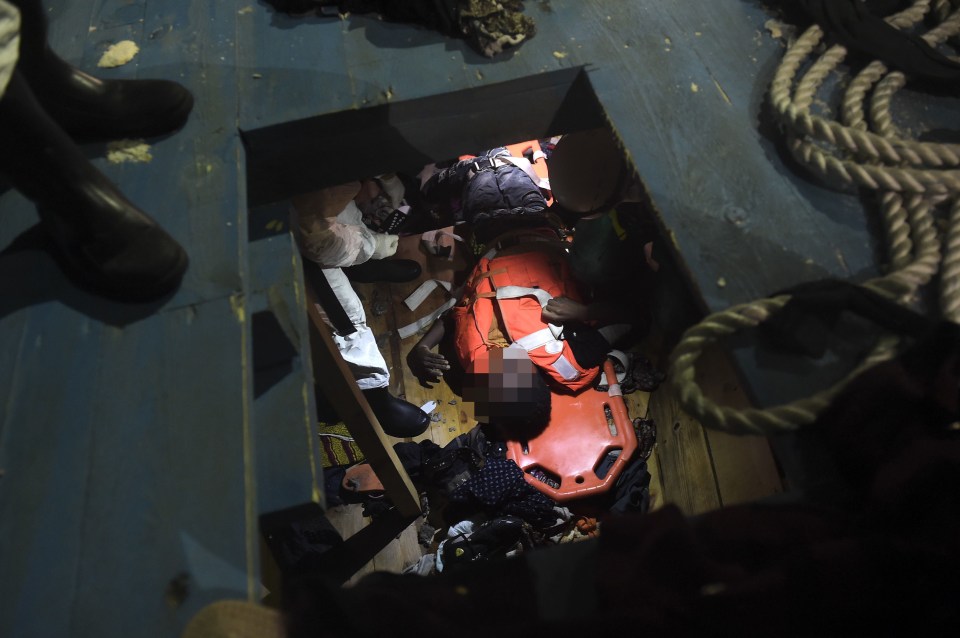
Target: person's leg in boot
[(359, 350), (103, 241), (397, 417), (88, 108)]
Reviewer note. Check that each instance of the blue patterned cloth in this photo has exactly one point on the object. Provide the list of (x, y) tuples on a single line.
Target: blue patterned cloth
[(500, 488)]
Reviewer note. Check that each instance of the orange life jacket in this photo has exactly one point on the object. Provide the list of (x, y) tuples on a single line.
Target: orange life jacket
[(520, 285)]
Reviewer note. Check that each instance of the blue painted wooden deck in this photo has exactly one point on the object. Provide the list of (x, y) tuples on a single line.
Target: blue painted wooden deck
[(135, 452)]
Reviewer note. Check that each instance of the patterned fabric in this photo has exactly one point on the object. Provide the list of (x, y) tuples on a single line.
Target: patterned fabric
[(337, 446), (499, 486)]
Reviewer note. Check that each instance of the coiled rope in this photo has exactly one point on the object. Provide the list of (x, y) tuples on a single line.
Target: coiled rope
[(863, 150)]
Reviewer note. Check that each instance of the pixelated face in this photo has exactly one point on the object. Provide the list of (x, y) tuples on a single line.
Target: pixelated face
[(500, 383)]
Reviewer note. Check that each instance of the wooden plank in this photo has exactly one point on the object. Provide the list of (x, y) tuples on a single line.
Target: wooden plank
[(366, 542), (46, 436), (685, 467), (370, 71), (657, 499), (651, 70), (283, 158), (638, 405), (400, 552), (342, 391), (121, 467), (718, 184), (204, 189), (744, 465), (159, 465), (69, 27), (453, 416), (287, 445), (348, 520), (282, 61)]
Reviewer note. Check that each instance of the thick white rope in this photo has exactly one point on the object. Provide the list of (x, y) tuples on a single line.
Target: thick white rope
[(911, 178)]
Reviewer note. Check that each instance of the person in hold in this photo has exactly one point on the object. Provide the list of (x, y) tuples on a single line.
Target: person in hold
[(328, 228), (522, 308)]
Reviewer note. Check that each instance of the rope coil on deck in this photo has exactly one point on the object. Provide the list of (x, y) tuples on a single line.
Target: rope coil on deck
[(912, 179)]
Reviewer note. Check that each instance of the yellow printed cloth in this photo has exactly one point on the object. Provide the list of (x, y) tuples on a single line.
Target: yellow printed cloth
[(337, 446)]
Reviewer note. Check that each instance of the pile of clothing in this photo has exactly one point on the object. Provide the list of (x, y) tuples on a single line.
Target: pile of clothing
[(488, 508), (489, 26)]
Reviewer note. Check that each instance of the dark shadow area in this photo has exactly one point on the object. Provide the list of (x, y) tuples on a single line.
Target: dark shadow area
[(273, 354), (296, 157), (397, 35), (267, 221), (778, 377), (30, 275), (392, 25), (415, 141), (281, 20)]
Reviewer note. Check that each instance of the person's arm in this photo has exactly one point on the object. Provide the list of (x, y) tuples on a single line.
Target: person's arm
[(426, 365), (336, 240), (562, 309)]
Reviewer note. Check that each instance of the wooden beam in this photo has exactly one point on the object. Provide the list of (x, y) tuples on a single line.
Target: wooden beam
[(685, 466), (744, 466), (340, 388)]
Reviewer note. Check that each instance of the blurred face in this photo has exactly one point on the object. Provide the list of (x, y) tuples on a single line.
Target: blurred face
[(500, 383)]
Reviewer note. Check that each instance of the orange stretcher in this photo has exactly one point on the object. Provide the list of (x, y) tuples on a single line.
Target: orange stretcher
[(572, 457)]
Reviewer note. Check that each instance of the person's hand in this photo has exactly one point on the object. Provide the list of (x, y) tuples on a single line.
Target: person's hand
[(559, 310), (648, 255), (426, 365), (386, 245)]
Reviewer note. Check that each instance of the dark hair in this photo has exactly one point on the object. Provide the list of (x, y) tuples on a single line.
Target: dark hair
[(525, 424)]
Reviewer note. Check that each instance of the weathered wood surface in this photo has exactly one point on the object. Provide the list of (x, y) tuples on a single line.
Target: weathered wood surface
[(129, 434), (715, 176), (110, 487), (286, 445), (341, 390), (396, 556), (699, 469), (683, 84), (128, 485)]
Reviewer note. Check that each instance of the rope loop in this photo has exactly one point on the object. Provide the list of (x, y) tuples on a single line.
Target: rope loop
[(865, 150)]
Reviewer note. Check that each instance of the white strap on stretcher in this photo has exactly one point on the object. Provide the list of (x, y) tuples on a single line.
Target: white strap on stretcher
[(536, 339), (548, 337), (418, 296), (515, 292), (413, 328), (565, 368)]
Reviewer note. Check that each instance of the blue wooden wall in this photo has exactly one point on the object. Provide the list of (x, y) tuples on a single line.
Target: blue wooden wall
[(135, 454)]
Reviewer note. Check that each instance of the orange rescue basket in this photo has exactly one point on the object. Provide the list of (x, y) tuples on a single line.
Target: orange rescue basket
[(567, 460)]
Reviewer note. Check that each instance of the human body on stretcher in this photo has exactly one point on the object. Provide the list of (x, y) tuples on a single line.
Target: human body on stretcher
[(522, 349), (522, 331)]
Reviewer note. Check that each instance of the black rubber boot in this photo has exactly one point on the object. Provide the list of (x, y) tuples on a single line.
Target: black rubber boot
[(388, 270), (88, 108), (397, 417), (104, 242)]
